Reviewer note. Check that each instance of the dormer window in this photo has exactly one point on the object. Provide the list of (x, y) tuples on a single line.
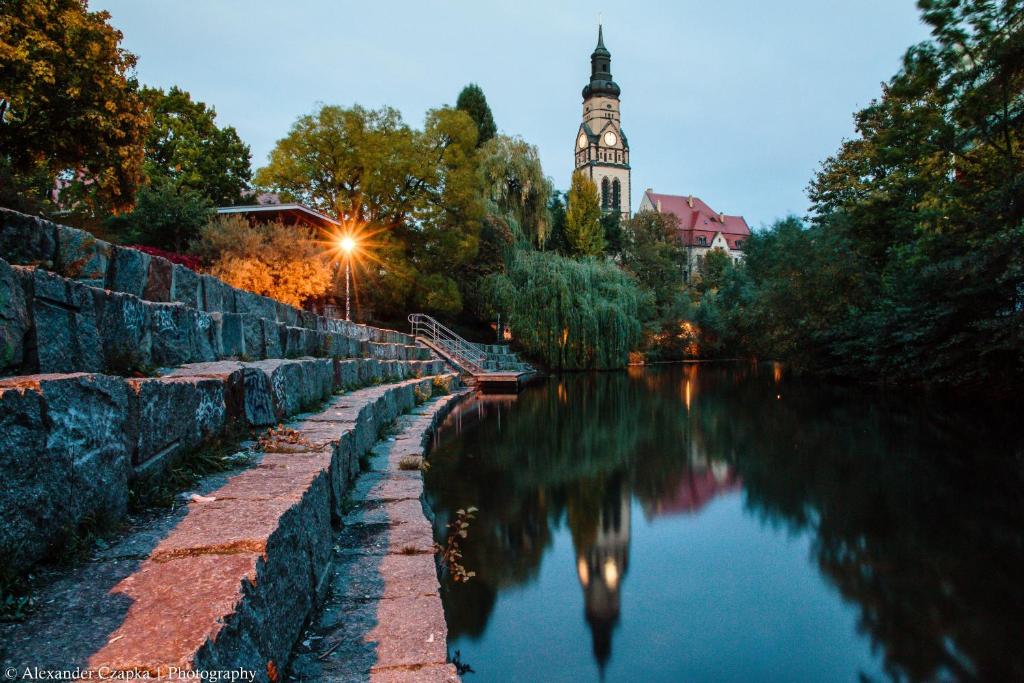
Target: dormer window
[(702, 241)]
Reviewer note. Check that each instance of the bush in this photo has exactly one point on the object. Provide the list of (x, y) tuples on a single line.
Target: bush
[(283, 262)]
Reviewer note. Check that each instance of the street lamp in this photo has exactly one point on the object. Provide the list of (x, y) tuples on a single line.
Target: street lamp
[(347, 245)]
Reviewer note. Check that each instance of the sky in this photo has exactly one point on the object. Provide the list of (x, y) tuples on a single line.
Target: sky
[(734, 101)]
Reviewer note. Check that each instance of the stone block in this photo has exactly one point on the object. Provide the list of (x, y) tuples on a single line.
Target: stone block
[(206, 343), (307, 319), (65, 334), (292, 342), (15, 321), (317, 381), (254, 304), (286, 388), (80, 256), (346, 374), (313, 342), (173, 335), (125, 331), (272, 335), (168, 416), (27, 240), (232, 337), (185, 287), (63, 460), (289, 315), (213, 293), (252, 332), (159, 280), (247, 392), (128, 271)]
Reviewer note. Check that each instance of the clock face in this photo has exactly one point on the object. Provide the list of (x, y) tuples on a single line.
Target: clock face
[(582, 142), (610, 138)]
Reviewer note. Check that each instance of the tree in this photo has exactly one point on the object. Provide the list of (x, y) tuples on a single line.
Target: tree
[(556, 209), (69, 105), (611, 228), (284, 262), (713, 269), (164, 216), (473, 102), (186, 148), (583, 229), (413, 195), (654, 254), (516, 187), (572, 314)]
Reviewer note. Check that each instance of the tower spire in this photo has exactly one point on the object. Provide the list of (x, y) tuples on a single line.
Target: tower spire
[(600, 38)]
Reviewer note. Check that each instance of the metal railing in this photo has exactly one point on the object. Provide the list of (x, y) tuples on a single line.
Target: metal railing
[(469, 356)]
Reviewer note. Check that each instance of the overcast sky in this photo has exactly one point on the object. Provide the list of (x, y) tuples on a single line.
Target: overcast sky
[(735, 101)]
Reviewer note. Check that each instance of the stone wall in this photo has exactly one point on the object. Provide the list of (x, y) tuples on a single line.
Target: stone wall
[(71, 445), (72, 303)]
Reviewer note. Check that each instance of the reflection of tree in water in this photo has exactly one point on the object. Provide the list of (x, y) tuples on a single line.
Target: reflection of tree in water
[(550, 463), (913, 519), (918, 525)]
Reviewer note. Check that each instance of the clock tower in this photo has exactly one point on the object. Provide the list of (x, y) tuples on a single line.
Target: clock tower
[(602, 152)]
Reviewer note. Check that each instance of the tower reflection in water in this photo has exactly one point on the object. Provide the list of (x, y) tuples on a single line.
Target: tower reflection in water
[(601, 566)]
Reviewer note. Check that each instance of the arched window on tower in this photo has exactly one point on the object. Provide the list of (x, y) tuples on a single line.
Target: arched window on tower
[(616, 194), (605, 193)]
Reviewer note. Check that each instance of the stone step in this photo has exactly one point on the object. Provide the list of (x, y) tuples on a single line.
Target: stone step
[(78, 255), (228, 581), (71, 444), (383, 619), (50, 323)]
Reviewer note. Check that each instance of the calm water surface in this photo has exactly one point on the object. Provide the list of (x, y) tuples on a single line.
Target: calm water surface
[(723, 523)]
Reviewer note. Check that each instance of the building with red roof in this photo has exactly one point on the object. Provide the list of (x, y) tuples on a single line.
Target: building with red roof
[(701, 228)]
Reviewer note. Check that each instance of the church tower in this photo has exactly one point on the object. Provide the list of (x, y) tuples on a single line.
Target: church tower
[(602, 151)]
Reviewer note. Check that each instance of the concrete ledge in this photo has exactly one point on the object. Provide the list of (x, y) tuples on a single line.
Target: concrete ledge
[(383, 619), (230, 582)]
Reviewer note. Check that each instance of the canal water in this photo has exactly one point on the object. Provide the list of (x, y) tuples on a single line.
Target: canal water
[(727, 523)]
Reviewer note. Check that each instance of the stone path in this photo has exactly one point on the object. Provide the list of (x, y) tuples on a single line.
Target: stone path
[(383, 620)]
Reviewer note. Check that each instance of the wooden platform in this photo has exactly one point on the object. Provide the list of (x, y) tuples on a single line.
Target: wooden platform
[(503, 382)]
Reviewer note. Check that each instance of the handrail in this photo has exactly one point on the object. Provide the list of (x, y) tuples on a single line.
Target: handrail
[(471, 356)]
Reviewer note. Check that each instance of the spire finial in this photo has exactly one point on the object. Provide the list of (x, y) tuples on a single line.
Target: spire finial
[(600, 32)]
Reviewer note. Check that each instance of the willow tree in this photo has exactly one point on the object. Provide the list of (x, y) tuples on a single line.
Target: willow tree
[(516, 187), (583, 229), (571, 314)]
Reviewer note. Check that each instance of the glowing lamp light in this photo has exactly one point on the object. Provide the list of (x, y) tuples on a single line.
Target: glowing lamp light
[(584, 571), (611, 573), (347, 244)]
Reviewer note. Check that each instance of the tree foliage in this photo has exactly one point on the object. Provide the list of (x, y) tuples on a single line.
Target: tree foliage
[(284, 262), (572, 314), (414, 195), (164, 216), (912, 268), (583, 230), (473, 102), (654, 254), (69, 105), (516, 187), (186, 148)]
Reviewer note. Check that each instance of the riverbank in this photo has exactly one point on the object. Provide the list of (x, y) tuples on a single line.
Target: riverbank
[(227, 580)]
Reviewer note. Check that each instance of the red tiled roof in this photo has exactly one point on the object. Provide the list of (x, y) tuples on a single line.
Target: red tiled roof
[(700, 220)]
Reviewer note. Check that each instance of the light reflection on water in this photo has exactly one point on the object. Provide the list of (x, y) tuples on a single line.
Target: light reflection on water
[(726, 523)]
